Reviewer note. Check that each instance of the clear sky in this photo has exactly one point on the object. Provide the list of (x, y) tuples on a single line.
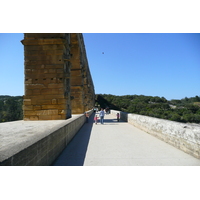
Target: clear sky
[(165, 65), (11, 64)]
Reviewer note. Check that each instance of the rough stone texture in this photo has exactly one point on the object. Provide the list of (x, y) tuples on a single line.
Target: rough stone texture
[(36, 143), (82, 89), (183, 136), (56, 74)]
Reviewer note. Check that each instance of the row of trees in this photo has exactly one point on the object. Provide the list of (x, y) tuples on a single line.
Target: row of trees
[(11, 108), (184, 110)]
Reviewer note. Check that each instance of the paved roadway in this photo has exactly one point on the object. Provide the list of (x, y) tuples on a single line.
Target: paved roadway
[(120, 144)]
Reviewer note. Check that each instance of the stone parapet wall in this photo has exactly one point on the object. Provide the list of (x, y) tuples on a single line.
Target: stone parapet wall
[(185, 137), (36, 143), (123, 115)]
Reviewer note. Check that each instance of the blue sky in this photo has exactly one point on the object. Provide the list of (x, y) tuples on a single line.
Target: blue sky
[(11, 64), (165, 65)]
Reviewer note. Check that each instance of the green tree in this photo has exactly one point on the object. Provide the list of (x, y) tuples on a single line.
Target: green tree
[(192, 108), (10, 108), (175, 117)]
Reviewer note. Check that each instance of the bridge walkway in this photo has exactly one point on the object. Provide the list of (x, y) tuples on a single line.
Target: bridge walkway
[(120, 144)]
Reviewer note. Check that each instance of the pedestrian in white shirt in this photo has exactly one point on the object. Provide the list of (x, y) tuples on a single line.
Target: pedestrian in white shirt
[(101, 115)]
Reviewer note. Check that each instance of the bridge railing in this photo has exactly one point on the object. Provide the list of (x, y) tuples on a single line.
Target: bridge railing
[(185, 137)]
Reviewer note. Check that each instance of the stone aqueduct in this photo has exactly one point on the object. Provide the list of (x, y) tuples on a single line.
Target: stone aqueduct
[(58, 82)]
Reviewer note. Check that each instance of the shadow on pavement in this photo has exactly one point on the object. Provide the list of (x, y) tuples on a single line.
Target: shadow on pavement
[(75, 151)]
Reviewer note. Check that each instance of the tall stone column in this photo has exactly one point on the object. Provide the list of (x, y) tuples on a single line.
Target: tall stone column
[(47, 76), (82, 88), (88, 93), (77, 92)]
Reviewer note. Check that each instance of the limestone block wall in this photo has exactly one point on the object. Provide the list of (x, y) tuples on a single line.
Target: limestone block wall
[(57, 81), (46, 76), (42, 148), (82, 87), (185, 137)]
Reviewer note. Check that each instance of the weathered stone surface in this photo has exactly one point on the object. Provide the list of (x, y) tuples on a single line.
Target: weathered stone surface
[(55, 65), (183, 136)]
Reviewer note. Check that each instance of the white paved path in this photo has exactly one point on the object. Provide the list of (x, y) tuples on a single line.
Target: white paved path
[(120, 144)]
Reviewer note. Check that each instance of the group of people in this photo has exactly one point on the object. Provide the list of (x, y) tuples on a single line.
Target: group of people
[(101, 116)]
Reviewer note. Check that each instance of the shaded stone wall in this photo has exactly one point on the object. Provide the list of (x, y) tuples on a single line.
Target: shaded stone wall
[(123, 115), (42, 149), (55, 68)]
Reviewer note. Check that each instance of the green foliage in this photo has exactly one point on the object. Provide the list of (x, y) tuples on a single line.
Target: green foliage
[(184, 110), (11, 108)]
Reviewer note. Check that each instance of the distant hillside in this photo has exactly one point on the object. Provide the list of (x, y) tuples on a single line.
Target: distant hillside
[(11, 108), (183, 110)]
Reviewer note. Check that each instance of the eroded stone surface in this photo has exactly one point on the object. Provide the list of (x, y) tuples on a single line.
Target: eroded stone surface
[(58, 82)]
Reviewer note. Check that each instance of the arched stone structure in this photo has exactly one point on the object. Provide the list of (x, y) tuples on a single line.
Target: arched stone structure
[(58, 82)]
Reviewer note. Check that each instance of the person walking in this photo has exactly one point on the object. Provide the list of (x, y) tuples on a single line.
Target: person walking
[(118, 117), (101, 115), (87, 117)]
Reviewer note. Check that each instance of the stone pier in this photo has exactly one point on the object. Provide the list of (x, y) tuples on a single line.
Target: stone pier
[(58, 82)]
